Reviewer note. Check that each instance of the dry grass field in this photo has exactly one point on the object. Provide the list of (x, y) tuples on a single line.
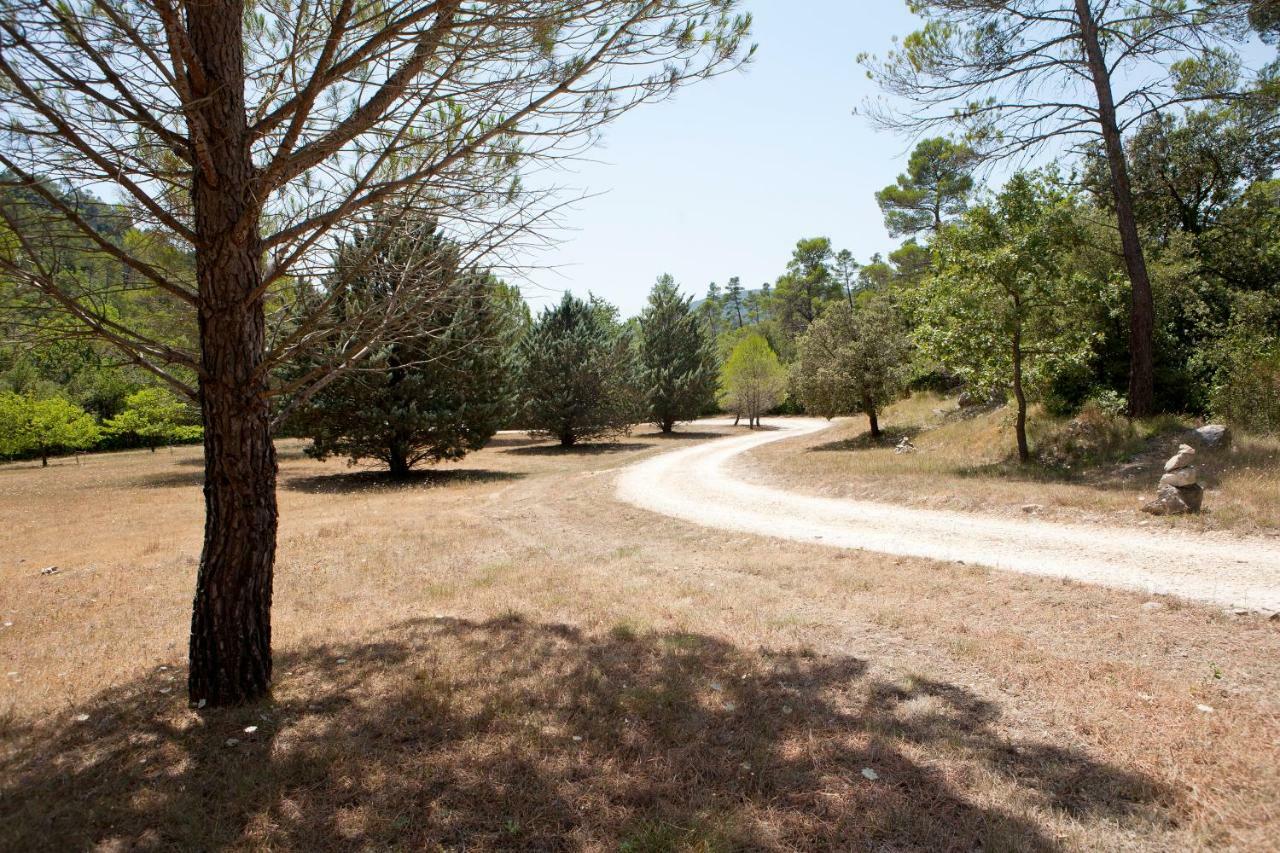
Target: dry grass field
[(498, 656), (967, 463)]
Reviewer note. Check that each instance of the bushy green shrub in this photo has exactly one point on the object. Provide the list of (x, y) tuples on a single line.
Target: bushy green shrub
[(1246, 388)]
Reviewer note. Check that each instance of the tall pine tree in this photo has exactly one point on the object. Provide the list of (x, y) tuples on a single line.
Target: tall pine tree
[(677, 357)]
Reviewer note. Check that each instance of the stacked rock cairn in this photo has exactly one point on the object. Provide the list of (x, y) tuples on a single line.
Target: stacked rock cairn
[(1178, 492)]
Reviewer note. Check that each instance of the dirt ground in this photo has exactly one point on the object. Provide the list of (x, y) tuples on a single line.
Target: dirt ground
[(499, 656)]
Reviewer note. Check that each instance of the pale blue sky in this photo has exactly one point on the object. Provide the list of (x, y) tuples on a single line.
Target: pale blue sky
[(723, 180)]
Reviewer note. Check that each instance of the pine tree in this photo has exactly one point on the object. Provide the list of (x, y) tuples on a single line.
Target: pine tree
[(577, 373), (677, 357), (442, 389), (735, 307)]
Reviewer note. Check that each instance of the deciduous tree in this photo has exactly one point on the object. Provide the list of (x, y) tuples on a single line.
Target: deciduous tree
[(1001, 309), (853, 358), (43, 426), (752, 380), (154, 416)]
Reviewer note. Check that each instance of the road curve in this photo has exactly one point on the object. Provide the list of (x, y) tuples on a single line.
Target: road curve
[(693, 484)]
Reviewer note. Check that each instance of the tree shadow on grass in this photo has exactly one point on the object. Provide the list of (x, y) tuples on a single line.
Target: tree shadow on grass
[(686, 435), (171, 479), (513, 735), (592, 449), (864, 441), (382, 481)]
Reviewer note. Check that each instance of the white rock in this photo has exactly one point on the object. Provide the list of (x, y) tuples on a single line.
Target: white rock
[(869, 774), (1205, 709), (82, 718), (231, 741), (250, 729), (1213, 435), (1178, 477), (1186, 453)]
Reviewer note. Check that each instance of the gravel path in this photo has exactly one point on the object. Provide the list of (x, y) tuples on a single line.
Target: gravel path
[(692, 484)]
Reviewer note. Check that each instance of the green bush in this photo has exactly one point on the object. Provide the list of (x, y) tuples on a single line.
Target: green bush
[(1246, 389)]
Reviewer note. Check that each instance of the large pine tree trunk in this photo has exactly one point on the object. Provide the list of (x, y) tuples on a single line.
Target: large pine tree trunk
[(1141, 303), (1020, 397), (230, 655)]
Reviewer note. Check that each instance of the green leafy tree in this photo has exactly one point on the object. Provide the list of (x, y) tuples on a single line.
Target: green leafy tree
[(935, 188), (1002, 308), (154, 416), (443, 387), (752, 380), (1186, 170), (677, 363), (577, 373), (853, 359), (43, 427), (1022, 76)]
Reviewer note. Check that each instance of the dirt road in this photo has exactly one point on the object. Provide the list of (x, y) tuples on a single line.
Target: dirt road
[(694, 484)]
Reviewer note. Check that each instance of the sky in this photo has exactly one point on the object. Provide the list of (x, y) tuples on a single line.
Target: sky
[(723, 179)]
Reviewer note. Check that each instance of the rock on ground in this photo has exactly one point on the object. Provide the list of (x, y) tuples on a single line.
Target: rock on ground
[(1213, 436)]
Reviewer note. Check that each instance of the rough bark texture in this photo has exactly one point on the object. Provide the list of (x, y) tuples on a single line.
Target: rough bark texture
[(1020, 397), (1141, 302), (230, 655), (869, 406)]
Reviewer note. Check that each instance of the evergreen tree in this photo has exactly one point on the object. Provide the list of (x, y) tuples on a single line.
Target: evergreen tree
[(735, 307), (854, 358), (712, 309), (676, 357), (577, 373), (935, 188), (441, 389), (807, 284)]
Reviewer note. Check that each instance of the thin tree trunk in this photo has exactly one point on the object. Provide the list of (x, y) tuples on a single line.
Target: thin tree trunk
[(1019, 395), (668, 425), (230, 655), (44, 460), (1141, 302)]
